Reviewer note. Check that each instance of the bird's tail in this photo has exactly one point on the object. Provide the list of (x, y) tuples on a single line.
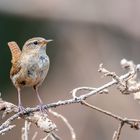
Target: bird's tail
[(15, 51)]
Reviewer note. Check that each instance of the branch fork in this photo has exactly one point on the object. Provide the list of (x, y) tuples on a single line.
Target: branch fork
[(126, 84)]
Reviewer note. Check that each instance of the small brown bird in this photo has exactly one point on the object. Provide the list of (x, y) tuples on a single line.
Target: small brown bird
[(29, 66)]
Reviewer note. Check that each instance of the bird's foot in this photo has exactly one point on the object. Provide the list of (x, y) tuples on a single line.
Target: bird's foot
[(42, 108), (21, 109)]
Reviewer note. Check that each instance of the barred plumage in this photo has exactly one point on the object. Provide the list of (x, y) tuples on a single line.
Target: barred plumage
[(15, 51)]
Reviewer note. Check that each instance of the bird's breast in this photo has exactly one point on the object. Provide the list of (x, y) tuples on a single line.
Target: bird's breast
[(34, 69), (43, 61), (38, 67)]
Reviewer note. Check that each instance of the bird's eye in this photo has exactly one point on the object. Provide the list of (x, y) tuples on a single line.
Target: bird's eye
[(35, 42)]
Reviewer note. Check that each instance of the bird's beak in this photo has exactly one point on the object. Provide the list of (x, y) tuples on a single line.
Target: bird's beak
[(45, 42), (49, 40)]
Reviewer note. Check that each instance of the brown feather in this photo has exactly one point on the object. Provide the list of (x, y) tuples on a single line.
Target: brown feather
[(15, 51), (15, 69)]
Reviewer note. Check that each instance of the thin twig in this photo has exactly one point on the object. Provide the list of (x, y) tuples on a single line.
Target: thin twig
[(8, 122), (48, 135), (74, 91), (117, 133), (35, 135), (7, 129), (56, 114), (55, 137), (131, 123), (26, 129)]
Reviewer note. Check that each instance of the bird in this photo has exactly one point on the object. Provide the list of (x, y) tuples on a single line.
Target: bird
[(29, 66)]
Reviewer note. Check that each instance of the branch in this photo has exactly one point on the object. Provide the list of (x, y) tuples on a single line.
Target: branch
[(73, 135), (126, 84), (25, 130), (6, 129), (132, 123), (40, 119), (117, 133), (35, 135)]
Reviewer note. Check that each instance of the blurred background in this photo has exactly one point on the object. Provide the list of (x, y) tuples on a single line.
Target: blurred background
[(85, 34)]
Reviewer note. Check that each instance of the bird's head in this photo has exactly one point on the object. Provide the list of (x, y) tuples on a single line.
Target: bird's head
[(36, 43)]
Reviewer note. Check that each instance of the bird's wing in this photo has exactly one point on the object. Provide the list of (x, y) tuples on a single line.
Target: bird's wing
[(15, 69), (16, 53)]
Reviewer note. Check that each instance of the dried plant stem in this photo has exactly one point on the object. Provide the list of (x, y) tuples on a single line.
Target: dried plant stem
[(56, 114), (45, 138), (126, 84), (75, 99), (7, 129), (26, 129), (55, 137), (117, 133), (125, 120), (35, 135)]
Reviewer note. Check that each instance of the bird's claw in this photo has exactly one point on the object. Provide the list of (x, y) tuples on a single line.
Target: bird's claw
[(42, 108), (21, 109)]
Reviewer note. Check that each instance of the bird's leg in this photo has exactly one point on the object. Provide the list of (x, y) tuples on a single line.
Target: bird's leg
[(38, 96), (20, 107), (41, 106)]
